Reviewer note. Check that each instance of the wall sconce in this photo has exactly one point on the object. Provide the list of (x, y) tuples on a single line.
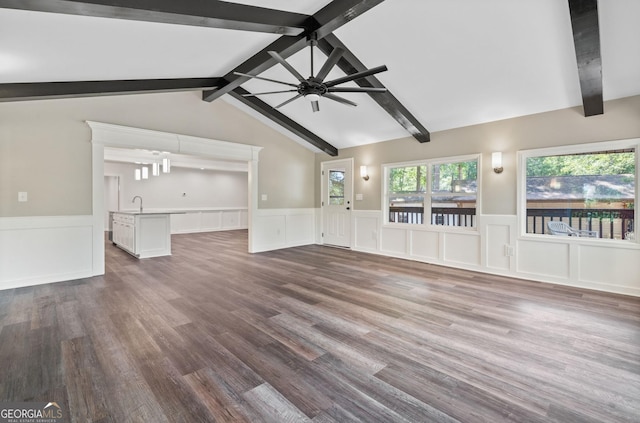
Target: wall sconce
[(496, 162), (137, 175), (145, 172), (155, 168), (363, 173), (166, 165)]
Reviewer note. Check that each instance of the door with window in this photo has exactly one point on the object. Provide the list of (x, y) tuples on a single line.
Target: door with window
[(337, 202)]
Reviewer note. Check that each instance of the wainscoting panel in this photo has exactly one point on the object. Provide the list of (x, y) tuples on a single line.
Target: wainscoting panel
[(499, 232), (37, 250), (208, 221), (546, 259), (299, 229), (462, 248), (283, 228), (425, 245), (617, 268), (498, 236), (366, 226), (394, 241)]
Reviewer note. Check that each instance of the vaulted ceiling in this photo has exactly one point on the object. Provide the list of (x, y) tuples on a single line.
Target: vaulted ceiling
[(451, 63)]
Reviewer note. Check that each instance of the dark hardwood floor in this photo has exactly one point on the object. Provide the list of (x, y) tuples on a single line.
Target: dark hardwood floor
[(315, 334)]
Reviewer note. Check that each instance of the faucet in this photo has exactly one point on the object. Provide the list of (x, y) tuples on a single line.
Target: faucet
[(134, 200)]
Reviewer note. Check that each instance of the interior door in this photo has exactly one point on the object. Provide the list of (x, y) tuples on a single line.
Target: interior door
[(337, 202)]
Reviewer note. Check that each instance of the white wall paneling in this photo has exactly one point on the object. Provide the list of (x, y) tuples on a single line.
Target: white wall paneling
[(366, 227), (394, 241), (425, 245), (496, 248), (543, 259), (499, 242), (283, 228), (462, 248), (615, 268), (37, 250), (209, 221)]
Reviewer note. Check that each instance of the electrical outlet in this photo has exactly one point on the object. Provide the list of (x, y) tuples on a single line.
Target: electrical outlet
[(22, 197), (509, 251)]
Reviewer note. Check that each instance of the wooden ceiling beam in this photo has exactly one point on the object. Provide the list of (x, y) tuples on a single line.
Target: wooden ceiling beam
[(586, 38), (268, 111), (326, 20), (49, 90), (350, 64), (209, 13)]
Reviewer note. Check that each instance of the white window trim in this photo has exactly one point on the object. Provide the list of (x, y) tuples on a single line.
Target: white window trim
[(523, 155), (426, 225)]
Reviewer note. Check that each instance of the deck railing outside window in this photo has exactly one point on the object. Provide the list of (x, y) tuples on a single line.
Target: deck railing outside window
[(609, 223), (448, 216)]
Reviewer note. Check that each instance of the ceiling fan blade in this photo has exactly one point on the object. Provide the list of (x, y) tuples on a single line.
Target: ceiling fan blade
[(356, 90), (357, 75), (264, 79), (288, 101), (339, 99), (287, 66), (315, 106), (269, 92), (333, 58)]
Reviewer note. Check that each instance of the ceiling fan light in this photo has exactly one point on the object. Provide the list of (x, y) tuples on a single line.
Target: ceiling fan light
[(312, 97)]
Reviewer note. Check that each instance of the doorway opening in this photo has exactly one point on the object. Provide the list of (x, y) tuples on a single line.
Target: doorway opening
[(136, 139)]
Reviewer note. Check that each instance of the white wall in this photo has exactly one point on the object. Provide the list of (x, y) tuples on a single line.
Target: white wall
[(183, 188)]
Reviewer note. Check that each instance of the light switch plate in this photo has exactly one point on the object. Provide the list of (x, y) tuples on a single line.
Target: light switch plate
[(264, 197), (359, 197), (22, 197)]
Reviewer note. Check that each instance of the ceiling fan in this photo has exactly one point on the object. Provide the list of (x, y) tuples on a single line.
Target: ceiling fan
[(314, 87)]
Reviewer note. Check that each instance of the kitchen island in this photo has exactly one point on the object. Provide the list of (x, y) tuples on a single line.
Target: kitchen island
[(142, 234)]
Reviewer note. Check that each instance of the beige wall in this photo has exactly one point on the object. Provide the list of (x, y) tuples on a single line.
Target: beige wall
[(621, 120), (45, 148)]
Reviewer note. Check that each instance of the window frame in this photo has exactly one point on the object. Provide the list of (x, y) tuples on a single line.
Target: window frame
[(427, 218), (595, 147)]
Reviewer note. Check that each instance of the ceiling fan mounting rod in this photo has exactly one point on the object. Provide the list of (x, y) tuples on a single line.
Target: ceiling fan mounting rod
[(313, 41)]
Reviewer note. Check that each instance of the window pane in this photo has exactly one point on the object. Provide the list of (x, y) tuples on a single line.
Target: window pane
[(590, 194), (454, 189), (454, 177), (336, 187), (406, 209), (411, 179), (407, 186)]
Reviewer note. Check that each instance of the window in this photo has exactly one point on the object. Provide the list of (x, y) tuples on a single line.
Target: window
[(446, 189), (407, 186), (586, 191), (336, 187), (454, 188)]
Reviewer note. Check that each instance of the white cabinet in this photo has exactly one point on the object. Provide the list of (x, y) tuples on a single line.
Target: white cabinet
[(124, 231), (142, 234)]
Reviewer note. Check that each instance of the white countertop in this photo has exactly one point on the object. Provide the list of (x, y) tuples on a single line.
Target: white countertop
[(175, 211), (144, 212)]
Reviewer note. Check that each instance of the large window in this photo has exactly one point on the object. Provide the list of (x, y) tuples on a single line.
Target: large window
[(582, 191), (446, 190)]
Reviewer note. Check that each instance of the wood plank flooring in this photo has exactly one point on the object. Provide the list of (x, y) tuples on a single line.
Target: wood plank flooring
[(315, 334)]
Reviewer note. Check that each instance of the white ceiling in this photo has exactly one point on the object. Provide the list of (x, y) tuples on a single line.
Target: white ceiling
[(451, 63)]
